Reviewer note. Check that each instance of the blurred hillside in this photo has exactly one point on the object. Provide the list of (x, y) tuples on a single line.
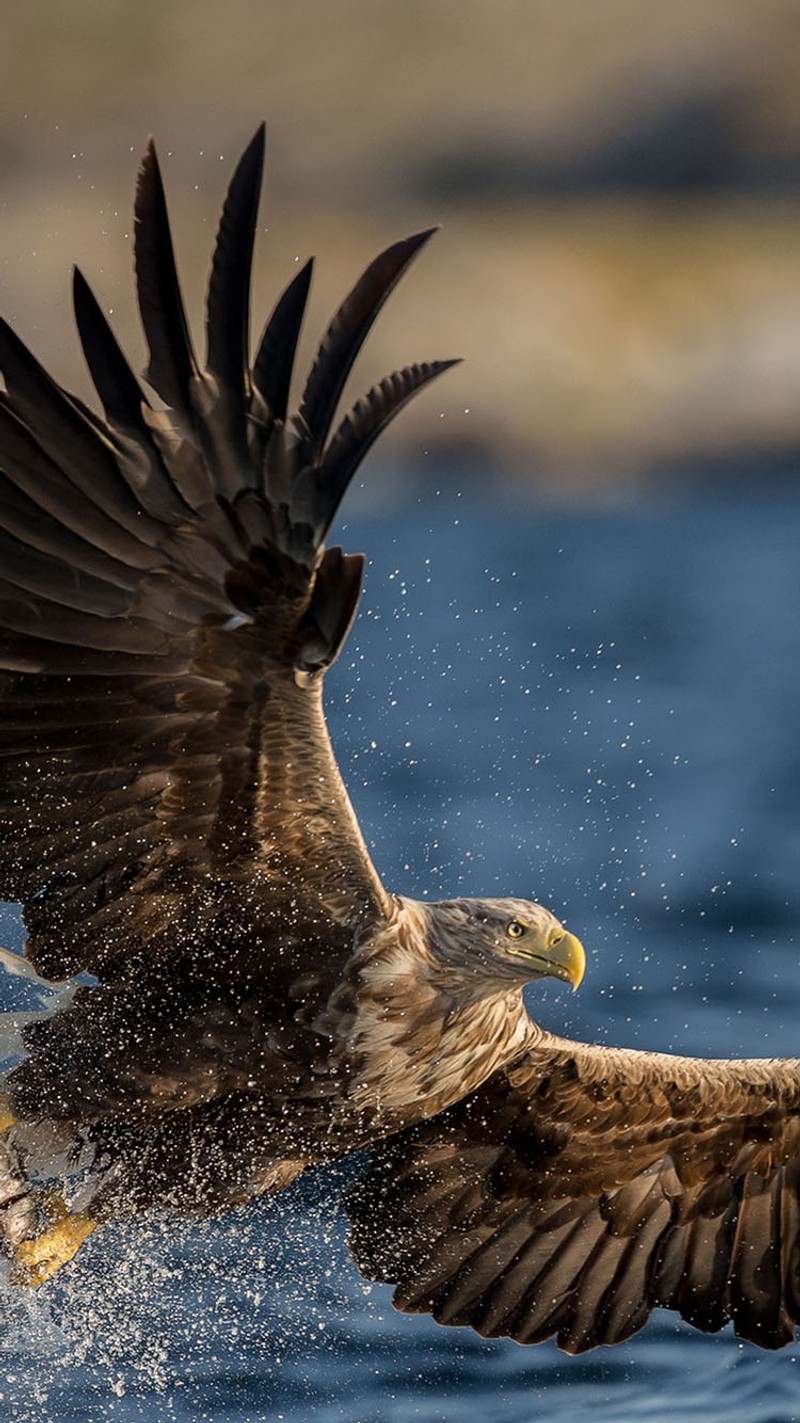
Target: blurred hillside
[(619, 183)]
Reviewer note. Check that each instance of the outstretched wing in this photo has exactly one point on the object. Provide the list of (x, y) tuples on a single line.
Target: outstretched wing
[(581, 1187), (167, 613)]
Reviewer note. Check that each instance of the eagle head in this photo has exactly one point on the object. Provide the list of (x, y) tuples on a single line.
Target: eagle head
[(506, 939)]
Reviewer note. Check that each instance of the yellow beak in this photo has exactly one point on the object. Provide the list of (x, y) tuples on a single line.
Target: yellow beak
[(567, 960)]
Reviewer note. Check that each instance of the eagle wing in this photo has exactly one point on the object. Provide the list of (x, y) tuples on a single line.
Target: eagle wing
[(580, 1187), (168, 610)]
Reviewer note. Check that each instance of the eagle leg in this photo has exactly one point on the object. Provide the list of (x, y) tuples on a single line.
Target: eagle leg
[(19, 1215), (35, 1260)]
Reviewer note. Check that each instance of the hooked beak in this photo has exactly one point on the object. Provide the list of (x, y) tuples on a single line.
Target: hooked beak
[(563, 958), (567, 960)]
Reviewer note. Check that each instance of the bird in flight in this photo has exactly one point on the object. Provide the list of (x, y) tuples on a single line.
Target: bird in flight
[(246, 998)]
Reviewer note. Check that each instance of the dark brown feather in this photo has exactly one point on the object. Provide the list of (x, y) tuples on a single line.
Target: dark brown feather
[(274, 362), (619, 1166), (172, 366), (158, 606), (228, 321), (121, 395), (319, 490), (34, 528), (72, 441), (26, 570), (343, 340), (222, 397)]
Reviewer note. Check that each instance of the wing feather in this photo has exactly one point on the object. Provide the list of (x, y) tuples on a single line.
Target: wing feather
[(274, 362), (26, 570), (31, 526), (228, 329), (168, 784), (605, 1183), (343, 340), (65, 447), (130, 417), (120, 393), (172, 366), (228, 323), (319, 489)]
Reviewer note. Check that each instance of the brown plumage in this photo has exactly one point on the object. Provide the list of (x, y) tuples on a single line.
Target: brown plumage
[(174, 823)]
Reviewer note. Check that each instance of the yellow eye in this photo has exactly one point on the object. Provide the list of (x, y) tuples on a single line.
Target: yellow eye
[(515, 930)]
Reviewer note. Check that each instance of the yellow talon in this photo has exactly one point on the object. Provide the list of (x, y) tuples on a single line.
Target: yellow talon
[(35, 1260), (7, 1118)]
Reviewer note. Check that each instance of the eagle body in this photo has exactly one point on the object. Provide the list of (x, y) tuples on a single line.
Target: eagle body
[(245, 998), (207, 1049)]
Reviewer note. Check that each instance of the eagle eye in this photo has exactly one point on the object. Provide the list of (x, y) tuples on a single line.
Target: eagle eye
[(515, 929)]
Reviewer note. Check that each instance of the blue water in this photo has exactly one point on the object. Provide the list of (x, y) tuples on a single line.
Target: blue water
[(597, 709)]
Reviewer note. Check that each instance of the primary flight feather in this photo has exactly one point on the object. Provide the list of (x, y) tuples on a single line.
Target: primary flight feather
[(173, 821)]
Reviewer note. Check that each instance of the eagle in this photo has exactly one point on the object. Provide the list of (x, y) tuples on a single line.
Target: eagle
[(242, 998)]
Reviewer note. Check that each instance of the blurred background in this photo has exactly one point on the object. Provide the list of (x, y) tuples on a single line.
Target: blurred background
[(576, 674), (618, 180)]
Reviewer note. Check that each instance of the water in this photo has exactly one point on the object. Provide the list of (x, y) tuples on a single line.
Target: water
[(597, 709)]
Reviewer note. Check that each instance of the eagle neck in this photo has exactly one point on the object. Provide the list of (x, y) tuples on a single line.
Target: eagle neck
[(420, 1036)]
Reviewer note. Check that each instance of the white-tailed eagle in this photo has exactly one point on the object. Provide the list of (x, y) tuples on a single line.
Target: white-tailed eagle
[(254, 1000)]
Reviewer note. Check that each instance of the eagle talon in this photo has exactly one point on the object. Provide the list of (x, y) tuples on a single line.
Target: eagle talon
[(35, 1260), (7, 1118)]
